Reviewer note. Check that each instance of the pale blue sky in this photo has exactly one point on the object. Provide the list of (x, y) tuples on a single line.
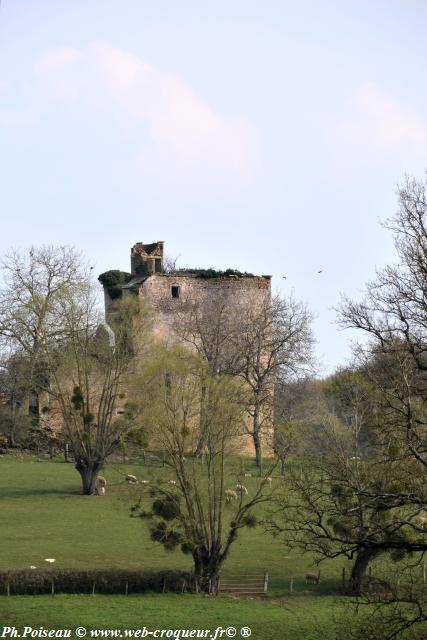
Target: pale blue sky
[(267, 137)]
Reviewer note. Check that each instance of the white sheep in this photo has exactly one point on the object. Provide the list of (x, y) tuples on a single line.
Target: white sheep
[(230, 495), (144, 482), (423, 521), (172, 482), (248, 475), (100, 483), (130, 479), (240, 488), (269, 479)]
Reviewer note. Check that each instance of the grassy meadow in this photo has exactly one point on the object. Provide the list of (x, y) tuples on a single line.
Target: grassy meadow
[(44, 515), (301, 618)]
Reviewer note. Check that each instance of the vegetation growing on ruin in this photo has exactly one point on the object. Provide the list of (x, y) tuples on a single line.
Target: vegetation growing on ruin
[(213, 273), (113, 282)]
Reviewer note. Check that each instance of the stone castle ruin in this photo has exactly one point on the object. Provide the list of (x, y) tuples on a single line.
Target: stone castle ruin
[(172, 296), (169, 293)]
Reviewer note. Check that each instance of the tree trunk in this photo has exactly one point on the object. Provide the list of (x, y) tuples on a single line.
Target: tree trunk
[(88, 471), (202, 438), (206, 571), (358, 570), (256, 437)]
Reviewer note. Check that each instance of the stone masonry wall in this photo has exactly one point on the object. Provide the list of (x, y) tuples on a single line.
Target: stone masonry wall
[(156, 293)]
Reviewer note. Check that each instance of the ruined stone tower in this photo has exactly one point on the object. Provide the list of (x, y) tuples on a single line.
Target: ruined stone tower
[(170, 293), (174, 294), (146, 259)]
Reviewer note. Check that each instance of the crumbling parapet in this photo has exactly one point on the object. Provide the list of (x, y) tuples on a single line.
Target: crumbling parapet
[(146, 259)]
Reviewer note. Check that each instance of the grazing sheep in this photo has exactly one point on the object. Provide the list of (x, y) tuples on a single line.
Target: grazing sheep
[(248, 475), (100, 483), (312, 578), (240, 488), (172, 482), (144, 482), (423, 521), (230, 495), (269, 479), (130, 479)]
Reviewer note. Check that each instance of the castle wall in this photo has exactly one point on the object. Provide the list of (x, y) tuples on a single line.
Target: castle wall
[(156, 293), (170, 296)]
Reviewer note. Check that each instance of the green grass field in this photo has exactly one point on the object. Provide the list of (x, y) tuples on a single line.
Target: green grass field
[(43, 515), (300, 618)]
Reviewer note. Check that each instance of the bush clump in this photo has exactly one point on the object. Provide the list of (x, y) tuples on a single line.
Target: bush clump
[(113, 282)]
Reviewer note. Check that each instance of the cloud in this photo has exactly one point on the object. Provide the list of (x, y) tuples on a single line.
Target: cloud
[(172, 133), (381, 127), (56, 59), (60, 66)]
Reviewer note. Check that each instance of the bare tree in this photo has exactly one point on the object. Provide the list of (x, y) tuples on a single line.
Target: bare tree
[(342, 505), (259, 344), (205, 505), (394, 315), (88, 368), (210, 331), (34, 284), (274, 343), (49, 314)]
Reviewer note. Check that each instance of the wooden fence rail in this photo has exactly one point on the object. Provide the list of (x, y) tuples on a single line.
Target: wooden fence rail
[(244, 584)]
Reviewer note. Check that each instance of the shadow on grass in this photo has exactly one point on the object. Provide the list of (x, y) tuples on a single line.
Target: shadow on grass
[(16, 492), (327, 587)]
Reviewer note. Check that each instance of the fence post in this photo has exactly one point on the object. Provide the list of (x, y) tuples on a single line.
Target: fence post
[(424, 572), (343, 578), (291, 586), (53, 587), (126, 588), (8, 589), (93, 588), (265, 581)]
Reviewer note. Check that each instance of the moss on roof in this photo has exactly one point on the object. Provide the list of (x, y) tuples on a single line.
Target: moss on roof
[(212, 273)]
